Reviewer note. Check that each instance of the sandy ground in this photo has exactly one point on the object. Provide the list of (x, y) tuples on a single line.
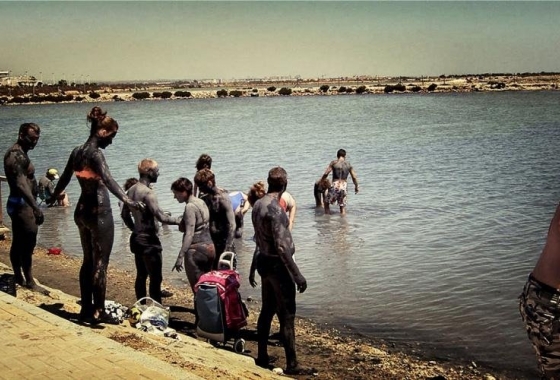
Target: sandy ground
[(333, 354)]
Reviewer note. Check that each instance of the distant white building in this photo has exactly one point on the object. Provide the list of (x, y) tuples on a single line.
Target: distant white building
[(23, 80), (5, 79)]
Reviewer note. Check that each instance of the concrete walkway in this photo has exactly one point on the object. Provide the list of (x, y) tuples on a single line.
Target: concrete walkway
[(35, 344)]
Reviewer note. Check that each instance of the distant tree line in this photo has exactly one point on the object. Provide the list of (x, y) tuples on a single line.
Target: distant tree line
[(161, 95)]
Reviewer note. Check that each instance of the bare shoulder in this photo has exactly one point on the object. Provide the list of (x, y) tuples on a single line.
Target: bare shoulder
[(16, 160), (15, 153), (143, 192)]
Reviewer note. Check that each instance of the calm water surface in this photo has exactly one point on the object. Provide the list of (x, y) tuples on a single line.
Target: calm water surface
[(456, 194)]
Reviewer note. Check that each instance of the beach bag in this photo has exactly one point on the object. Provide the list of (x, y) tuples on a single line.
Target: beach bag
[(223, 284), (209, 309), (152, 313)]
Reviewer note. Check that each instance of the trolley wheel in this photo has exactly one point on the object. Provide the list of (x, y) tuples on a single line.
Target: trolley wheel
[(239, 346)]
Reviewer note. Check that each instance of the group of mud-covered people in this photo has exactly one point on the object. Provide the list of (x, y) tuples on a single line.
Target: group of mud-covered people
[(212, 219)]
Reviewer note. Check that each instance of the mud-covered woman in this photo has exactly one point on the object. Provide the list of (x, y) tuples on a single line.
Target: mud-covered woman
[(93, 214), (197, 252)]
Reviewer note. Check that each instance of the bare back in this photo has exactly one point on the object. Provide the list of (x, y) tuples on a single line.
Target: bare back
[(340, 170), (144, 220), (88, 163)]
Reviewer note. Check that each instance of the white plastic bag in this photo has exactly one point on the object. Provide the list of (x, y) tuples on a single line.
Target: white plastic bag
[(153, 313)]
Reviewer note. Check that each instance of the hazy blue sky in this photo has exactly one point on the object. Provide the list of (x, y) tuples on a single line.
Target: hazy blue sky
[(197, 40)]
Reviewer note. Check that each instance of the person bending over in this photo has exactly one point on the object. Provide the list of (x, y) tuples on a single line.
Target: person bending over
[(22, 207), (320, 191), (144, 241), (93, 214), (240, 207)]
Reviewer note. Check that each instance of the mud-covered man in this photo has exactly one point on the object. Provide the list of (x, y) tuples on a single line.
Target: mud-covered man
[(279, 273), (144, 241), (22, 207), (539, 303), (340, 169), (222, 218)]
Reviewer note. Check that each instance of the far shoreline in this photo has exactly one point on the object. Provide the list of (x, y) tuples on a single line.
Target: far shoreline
[(111, 93)]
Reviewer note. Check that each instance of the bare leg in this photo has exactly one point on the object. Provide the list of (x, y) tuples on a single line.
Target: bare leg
[(268, 309), (86, 274), (141, 276), (23, 243), (102, 239)]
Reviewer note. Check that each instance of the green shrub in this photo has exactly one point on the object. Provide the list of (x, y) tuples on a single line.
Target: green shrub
[(324, 88), (361, 90), (342, 89), (141, 95), (388, 89), (432, 87), (349, 90), (19, 100), (235, 93), (156, 94), (94, 95), (222, 93), (271, 89), (285, 91), (416, 89), (166, 95), (182, 94)]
